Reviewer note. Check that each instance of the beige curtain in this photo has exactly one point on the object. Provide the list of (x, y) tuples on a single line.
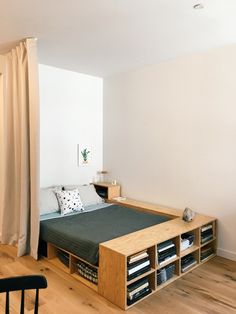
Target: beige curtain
[(19, 155)]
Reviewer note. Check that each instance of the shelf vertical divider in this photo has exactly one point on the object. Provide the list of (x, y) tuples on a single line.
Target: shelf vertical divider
[(178, 263), (198, 237), (112, 276)]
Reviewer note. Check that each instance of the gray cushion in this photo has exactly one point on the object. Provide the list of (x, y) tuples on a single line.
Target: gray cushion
[(87, 193), (48, 201)]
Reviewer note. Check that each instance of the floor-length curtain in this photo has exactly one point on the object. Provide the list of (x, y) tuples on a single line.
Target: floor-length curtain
[(19, 158)]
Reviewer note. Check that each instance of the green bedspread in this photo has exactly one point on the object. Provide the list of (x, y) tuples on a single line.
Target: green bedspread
[(81, 233)]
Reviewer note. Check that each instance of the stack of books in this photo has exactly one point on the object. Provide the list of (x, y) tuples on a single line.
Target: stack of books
[(88, 272), (206, 233), (187, 262), (138, 290), (138, 264), (165, 273), (166, 251), (187, 240), (206, 252)]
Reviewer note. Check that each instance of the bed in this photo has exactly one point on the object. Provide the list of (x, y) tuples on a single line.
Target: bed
[(82, 233), (96, 245)]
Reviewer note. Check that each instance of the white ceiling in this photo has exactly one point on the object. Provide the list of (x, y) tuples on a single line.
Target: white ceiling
[(102, 37)]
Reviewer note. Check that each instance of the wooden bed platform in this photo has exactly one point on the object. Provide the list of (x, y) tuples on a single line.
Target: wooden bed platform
[(113, 254)]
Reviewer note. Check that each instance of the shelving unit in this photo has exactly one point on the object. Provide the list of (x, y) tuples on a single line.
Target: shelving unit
[(52, 255), (114, 254), (114, 288), (107, 190)]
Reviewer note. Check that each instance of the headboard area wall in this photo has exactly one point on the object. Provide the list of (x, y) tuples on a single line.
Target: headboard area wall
[(71, 111)]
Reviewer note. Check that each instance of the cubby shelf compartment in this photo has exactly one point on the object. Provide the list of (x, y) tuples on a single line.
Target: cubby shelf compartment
[(151, 253), (189, 250), (161, 249), (135, 303), (208, 258), (190, 269), (164, 284), (211, 233), (167, 273), (208, 251), (194, 237), (152, 286), (72, 267), (141, 276), (56, 262), (196, 257), (107, 190)]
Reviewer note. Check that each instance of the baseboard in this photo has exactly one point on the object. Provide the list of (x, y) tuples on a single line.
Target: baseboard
[(227, 254)]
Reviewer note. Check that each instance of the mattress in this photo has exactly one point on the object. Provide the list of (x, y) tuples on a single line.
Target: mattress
[(82, 233)]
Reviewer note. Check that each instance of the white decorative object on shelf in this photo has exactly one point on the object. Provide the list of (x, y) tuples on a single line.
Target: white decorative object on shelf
[(188, 214), (119, 198), (101, 175)]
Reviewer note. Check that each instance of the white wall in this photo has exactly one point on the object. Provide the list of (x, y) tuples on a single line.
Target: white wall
[(71, 113), (170, 136)]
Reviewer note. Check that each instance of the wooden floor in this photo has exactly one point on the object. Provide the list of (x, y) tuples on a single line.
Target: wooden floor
[(209, 289)]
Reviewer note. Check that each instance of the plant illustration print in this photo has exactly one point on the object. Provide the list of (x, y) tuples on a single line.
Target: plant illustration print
[(85, 152)]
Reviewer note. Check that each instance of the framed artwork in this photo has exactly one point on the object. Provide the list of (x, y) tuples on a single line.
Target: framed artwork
[(83, 155)]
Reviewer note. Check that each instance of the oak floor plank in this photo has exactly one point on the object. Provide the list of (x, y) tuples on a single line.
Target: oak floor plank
[(209, 289)]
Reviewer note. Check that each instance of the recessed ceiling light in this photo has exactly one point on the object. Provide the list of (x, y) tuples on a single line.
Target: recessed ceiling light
[(198, 6)]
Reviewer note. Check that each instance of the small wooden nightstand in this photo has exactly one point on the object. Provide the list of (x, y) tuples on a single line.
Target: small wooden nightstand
[(107, 190)]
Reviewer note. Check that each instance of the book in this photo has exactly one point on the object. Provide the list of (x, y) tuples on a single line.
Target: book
[(138, 267), (167, 259), (137, 284), (137, 254), (138, 262), (206, 257), (188, 266), (206, 252), (205, 228), (206, 238), (139, 272), (139, 295), (159, 250), (133, 292), (165, 245), (137, 257), (167, 253)]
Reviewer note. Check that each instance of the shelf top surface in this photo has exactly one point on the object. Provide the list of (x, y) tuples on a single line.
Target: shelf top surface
[(159, 209), (145, 238), (105, 184)]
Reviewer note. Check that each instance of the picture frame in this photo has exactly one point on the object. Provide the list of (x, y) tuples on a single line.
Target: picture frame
[(83, 155)]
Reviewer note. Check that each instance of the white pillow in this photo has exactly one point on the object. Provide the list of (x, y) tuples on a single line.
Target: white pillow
[(87, 193), (47, 201), (69, 201)]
